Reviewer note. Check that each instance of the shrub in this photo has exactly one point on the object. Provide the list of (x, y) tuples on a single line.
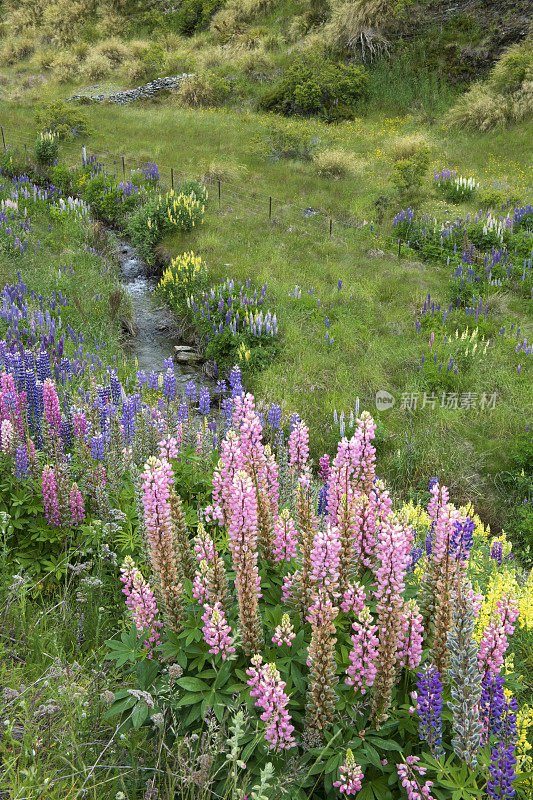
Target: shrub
[(492, 198), (63, 177), (46, 149), (284, 141), (410, 164), (194, 15), (151, 221), (66, 121), (16, 49), (315, 85), (96, 67), (203, 90), (237, 12), (13, 162), (336, 164), (194, 188), (479, 109), (114, 50), (65, 67), (511, 69)]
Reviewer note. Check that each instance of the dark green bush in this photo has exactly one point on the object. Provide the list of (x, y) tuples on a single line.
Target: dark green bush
[(315, 85), (62, 177), (193, 16), (198, 191), (46, 149), (13, 162), (66, 121), (408, 173)]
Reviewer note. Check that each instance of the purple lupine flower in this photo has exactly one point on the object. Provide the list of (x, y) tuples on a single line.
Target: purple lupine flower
[(496, 551), (97, 447), (416, 555), (204, 402), (492, 704), (169, 384), (502, 771), (274, 416), (462, 539), (429, 707), (190, 391), (22, 462), (141, 378), (235, 382), (183, 412)]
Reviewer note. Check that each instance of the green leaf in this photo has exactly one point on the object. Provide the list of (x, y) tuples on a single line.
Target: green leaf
[(193, 684), (139, 715), (384, 744), (372, 755), (190, 700)]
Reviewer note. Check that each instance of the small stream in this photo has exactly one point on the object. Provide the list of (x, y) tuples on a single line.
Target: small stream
[(156, 333)]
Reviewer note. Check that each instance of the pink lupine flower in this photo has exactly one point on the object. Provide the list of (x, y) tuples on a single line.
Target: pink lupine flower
[(411, 636), (157, 484), (231, 461), (440, 497), (284, 537), (325, 559), (204, 546), (284, 633), (7, 436), (80, 426), (494, 642), (141, 603), (351, 776), (250, 431), (76, 507), (393, 549), (200, 586), (362, 670), (408, 774), (52, 410), (366, 431), (50, 497), (168, 448), (299, 447), (217, 632), (242, 541), (353, 598), (325, 468), (267, 686)]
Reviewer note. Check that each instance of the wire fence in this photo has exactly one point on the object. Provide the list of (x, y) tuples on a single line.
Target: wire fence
[(231, 197)]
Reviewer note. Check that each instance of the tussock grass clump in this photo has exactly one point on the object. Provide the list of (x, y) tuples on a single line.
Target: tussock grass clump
[(237, 12), (228, 171), (507, 95), (408, 146), (337, 163), (205, 91), (96, 67), (16, 49), (359, 24), (65, 67), (479, 109)]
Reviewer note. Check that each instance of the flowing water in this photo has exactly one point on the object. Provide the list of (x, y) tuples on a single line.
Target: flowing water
[(155, 326)]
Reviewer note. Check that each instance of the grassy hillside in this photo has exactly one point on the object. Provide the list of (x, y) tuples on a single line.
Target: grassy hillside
[(372, 317)]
